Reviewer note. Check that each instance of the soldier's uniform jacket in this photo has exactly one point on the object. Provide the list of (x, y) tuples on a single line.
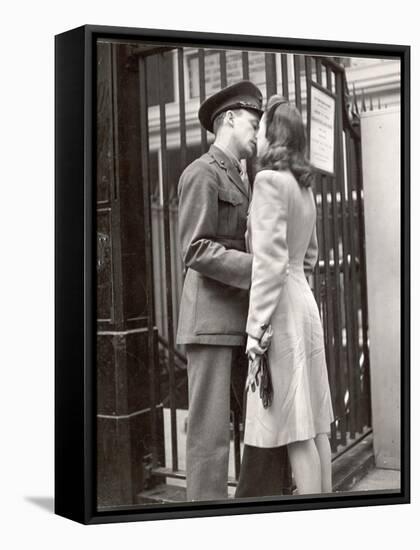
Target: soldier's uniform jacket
[(213, 207)]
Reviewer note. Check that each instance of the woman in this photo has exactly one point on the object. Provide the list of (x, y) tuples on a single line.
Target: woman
[(282, 239)]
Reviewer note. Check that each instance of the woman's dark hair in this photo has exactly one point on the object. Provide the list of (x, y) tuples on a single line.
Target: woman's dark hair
[(285, 134)]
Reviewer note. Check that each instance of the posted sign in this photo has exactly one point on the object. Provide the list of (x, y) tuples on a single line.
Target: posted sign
[(322, 130)]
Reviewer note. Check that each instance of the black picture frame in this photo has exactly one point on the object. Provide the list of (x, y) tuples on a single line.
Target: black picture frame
[(75, 246)]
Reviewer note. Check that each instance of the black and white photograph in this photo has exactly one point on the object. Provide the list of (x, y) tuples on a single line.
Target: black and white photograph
[(248, 262)]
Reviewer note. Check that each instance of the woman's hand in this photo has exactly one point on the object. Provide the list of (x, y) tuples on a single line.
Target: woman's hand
[(253, 347)]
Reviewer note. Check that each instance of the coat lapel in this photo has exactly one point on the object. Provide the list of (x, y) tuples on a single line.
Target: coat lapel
[(226, 164)]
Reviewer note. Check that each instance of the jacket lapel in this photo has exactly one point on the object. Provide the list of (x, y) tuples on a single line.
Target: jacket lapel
[(226, 164)]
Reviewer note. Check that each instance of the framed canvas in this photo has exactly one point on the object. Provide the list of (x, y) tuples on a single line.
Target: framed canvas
[(127, 132)]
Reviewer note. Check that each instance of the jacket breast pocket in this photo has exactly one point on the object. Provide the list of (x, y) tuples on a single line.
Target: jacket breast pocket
[(230, 212)]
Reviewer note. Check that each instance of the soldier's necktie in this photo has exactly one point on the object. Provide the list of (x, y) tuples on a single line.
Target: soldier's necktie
[(244, 177)]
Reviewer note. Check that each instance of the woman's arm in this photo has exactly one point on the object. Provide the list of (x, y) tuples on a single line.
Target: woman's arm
[(268, 222), (311, 255)]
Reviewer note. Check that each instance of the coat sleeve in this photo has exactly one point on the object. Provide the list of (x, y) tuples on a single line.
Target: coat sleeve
[(268, 222), (311, 255), (198, 222)]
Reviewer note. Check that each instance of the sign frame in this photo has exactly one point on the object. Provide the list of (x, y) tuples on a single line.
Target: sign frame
[(311, 120)]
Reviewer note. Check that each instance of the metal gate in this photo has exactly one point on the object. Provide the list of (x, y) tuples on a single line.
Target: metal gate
[(172, 82)]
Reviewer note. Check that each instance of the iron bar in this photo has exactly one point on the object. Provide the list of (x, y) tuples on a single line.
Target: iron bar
[(339, 407), (168, 267), (328, 318), (245, 75), (347, 284), (363, 278), (363, 101), (284, 76), (308, 77), (145, 184), (318, 70), (181, 100), (298, 88), (223, 70), (158, 262), (354, 282), (329, 79), (236, 442), (355, 100), (245, 65), (328, 322), (270, 74), (202, 87)]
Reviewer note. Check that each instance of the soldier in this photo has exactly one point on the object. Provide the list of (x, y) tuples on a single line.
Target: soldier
[(214, 198)]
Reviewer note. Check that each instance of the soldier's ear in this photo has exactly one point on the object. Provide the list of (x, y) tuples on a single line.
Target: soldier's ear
[(230, 117)]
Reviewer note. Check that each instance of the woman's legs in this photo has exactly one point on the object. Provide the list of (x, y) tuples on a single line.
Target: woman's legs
[(311, 464), (306, 466), (324, 451)]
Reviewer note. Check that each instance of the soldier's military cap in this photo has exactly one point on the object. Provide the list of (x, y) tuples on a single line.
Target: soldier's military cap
[(242, 95)]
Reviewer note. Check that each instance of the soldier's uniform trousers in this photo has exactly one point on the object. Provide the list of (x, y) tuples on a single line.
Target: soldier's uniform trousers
[(208, 432)]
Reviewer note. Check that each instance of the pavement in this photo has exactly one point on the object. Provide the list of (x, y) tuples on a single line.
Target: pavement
[(378, 479), (375, 479)]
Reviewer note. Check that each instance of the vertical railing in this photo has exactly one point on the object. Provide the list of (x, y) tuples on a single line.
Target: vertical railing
[(284, 76), (245, 65), (202, 86), (297, 77), (363, 282), (339, 359), (328, 320), (270, 74), (348, 298), (354, 287), (146, 192), (181, 101), (308, 79), (223, 69), (168, 265)]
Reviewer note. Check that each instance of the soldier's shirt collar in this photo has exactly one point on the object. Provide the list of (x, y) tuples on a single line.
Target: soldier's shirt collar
[(231, 157)]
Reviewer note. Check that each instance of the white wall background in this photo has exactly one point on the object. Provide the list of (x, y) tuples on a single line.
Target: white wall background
[(382, 190), (26, 301)]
